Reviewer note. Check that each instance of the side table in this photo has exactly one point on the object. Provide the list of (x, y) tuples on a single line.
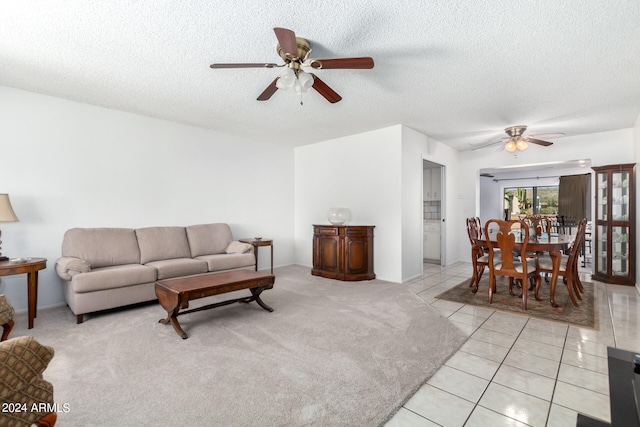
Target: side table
[(31, 268), (256, 244)]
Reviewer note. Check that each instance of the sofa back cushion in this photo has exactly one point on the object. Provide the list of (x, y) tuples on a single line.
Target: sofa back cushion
[(209, 239), (159, 243), (102, 247)]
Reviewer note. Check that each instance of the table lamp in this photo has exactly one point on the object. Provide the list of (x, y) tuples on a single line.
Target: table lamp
[(6, 215)]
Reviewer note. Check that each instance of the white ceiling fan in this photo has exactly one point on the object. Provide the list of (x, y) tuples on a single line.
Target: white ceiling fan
[(517, 141)]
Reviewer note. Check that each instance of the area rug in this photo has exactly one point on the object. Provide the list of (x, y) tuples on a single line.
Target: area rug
[(331, 354), (583, 315)]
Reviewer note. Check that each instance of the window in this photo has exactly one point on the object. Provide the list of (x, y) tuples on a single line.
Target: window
[(521, 201)]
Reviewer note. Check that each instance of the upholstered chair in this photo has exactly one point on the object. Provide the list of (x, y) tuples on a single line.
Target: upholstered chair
[(6, 317), (22, 362)]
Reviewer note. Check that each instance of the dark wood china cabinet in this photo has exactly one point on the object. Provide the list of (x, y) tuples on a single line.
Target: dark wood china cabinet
[(615, 224), (343, 252)]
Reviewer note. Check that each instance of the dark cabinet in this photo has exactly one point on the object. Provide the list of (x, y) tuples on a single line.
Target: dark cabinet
[(615, 224), (343, 252)]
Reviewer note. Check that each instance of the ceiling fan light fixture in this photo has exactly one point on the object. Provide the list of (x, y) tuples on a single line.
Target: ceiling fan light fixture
[(521, 144), (305, 79), (287, 79), (510, 146), (297, 87)]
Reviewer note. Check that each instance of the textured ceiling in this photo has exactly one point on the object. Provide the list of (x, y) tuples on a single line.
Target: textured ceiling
[(459, 71)]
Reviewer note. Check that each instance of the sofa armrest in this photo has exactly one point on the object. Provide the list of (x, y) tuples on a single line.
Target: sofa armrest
[(67, 267)]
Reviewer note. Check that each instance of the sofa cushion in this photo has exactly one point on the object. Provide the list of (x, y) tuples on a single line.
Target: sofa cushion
[(113, 277), (207, 239), (219, 262), (239, 248), (158, 243), (102, 247), (168, 268)]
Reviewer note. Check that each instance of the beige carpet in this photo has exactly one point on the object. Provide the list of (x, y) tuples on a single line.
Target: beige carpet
[(583, 315), (332, 354)]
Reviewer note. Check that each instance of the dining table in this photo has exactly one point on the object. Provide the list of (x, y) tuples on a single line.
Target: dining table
[(554, 244)]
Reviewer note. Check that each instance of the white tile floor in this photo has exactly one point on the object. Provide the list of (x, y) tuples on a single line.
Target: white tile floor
[(516, 370)]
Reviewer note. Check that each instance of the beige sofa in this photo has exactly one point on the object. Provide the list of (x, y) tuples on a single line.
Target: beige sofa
[(103, 268)]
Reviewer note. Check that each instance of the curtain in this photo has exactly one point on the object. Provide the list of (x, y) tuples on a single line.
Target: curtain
[(572, 197)]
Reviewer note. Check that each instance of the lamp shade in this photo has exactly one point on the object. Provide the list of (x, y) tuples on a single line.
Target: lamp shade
[(305, 79), (6, 211), (521, 144), (286, 80), (510, 146)]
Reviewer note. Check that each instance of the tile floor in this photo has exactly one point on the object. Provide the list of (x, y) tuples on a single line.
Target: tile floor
[(516, 370)]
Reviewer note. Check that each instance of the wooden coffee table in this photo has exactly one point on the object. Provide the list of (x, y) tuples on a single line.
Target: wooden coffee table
[(174, 294)]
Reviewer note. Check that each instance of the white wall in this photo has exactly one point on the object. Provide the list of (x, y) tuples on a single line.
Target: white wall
[(378, 175), (417, 147), (360, 172), (66, 164), (490, 199), (601, 148)]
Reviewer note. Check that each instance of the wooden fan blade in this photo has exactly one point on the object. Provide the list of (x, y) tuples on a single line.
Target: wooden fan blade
[(324, 90), (269, 91), (537, 141), (547, 135), (287, 41), (241, 65), (344, 63)]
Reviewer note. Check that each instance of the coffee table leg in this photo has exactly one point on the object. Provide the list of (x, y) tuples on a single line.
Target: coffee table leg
[(256, 296), (171, 317)]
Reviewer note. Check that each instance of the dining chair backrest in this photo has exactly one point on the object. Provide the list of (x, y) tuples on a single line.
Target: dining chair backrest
[(576, 247), (505, 240), (478, 225), (544, 226), (473, 229), (541, 224)]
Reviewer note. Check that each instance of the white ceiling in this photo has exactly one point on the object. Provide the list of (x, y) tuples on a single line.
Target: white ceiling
[(459, 71)]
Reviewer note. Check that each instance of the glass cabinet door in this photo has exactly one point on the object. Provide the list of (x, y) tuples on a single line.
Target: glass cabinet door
[(620, 250), (620, 196), (601, 249), (615, 224), (601, 204)]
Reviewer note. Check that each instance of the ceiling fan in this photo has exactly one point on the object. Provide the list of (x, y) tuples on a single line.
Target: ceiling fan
[(295, 52), (517, 141)]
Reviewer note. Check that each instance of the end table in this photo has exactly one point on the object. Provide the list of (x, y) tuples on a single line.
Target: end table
[(30, 267), (256, 244)]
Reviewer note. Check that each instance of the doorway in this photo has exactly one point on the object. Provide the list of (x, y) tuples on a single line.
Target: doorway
[(433, 212)]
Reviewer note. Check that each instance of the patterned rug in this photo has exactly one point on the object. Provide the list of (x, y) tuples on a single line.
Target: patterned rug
[(583, 315)]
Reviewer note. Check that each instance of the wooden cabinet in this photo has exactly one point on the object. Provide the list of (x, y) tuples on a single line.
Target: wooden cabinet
[(615, 223), (343, 252)]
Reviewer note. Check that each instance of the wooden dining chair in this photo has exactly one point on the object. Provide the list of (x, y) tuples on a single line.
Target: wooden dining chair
[(568, 267), (541, 224), (544, 227), (479, 258), (512, 260), (478, 225)]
